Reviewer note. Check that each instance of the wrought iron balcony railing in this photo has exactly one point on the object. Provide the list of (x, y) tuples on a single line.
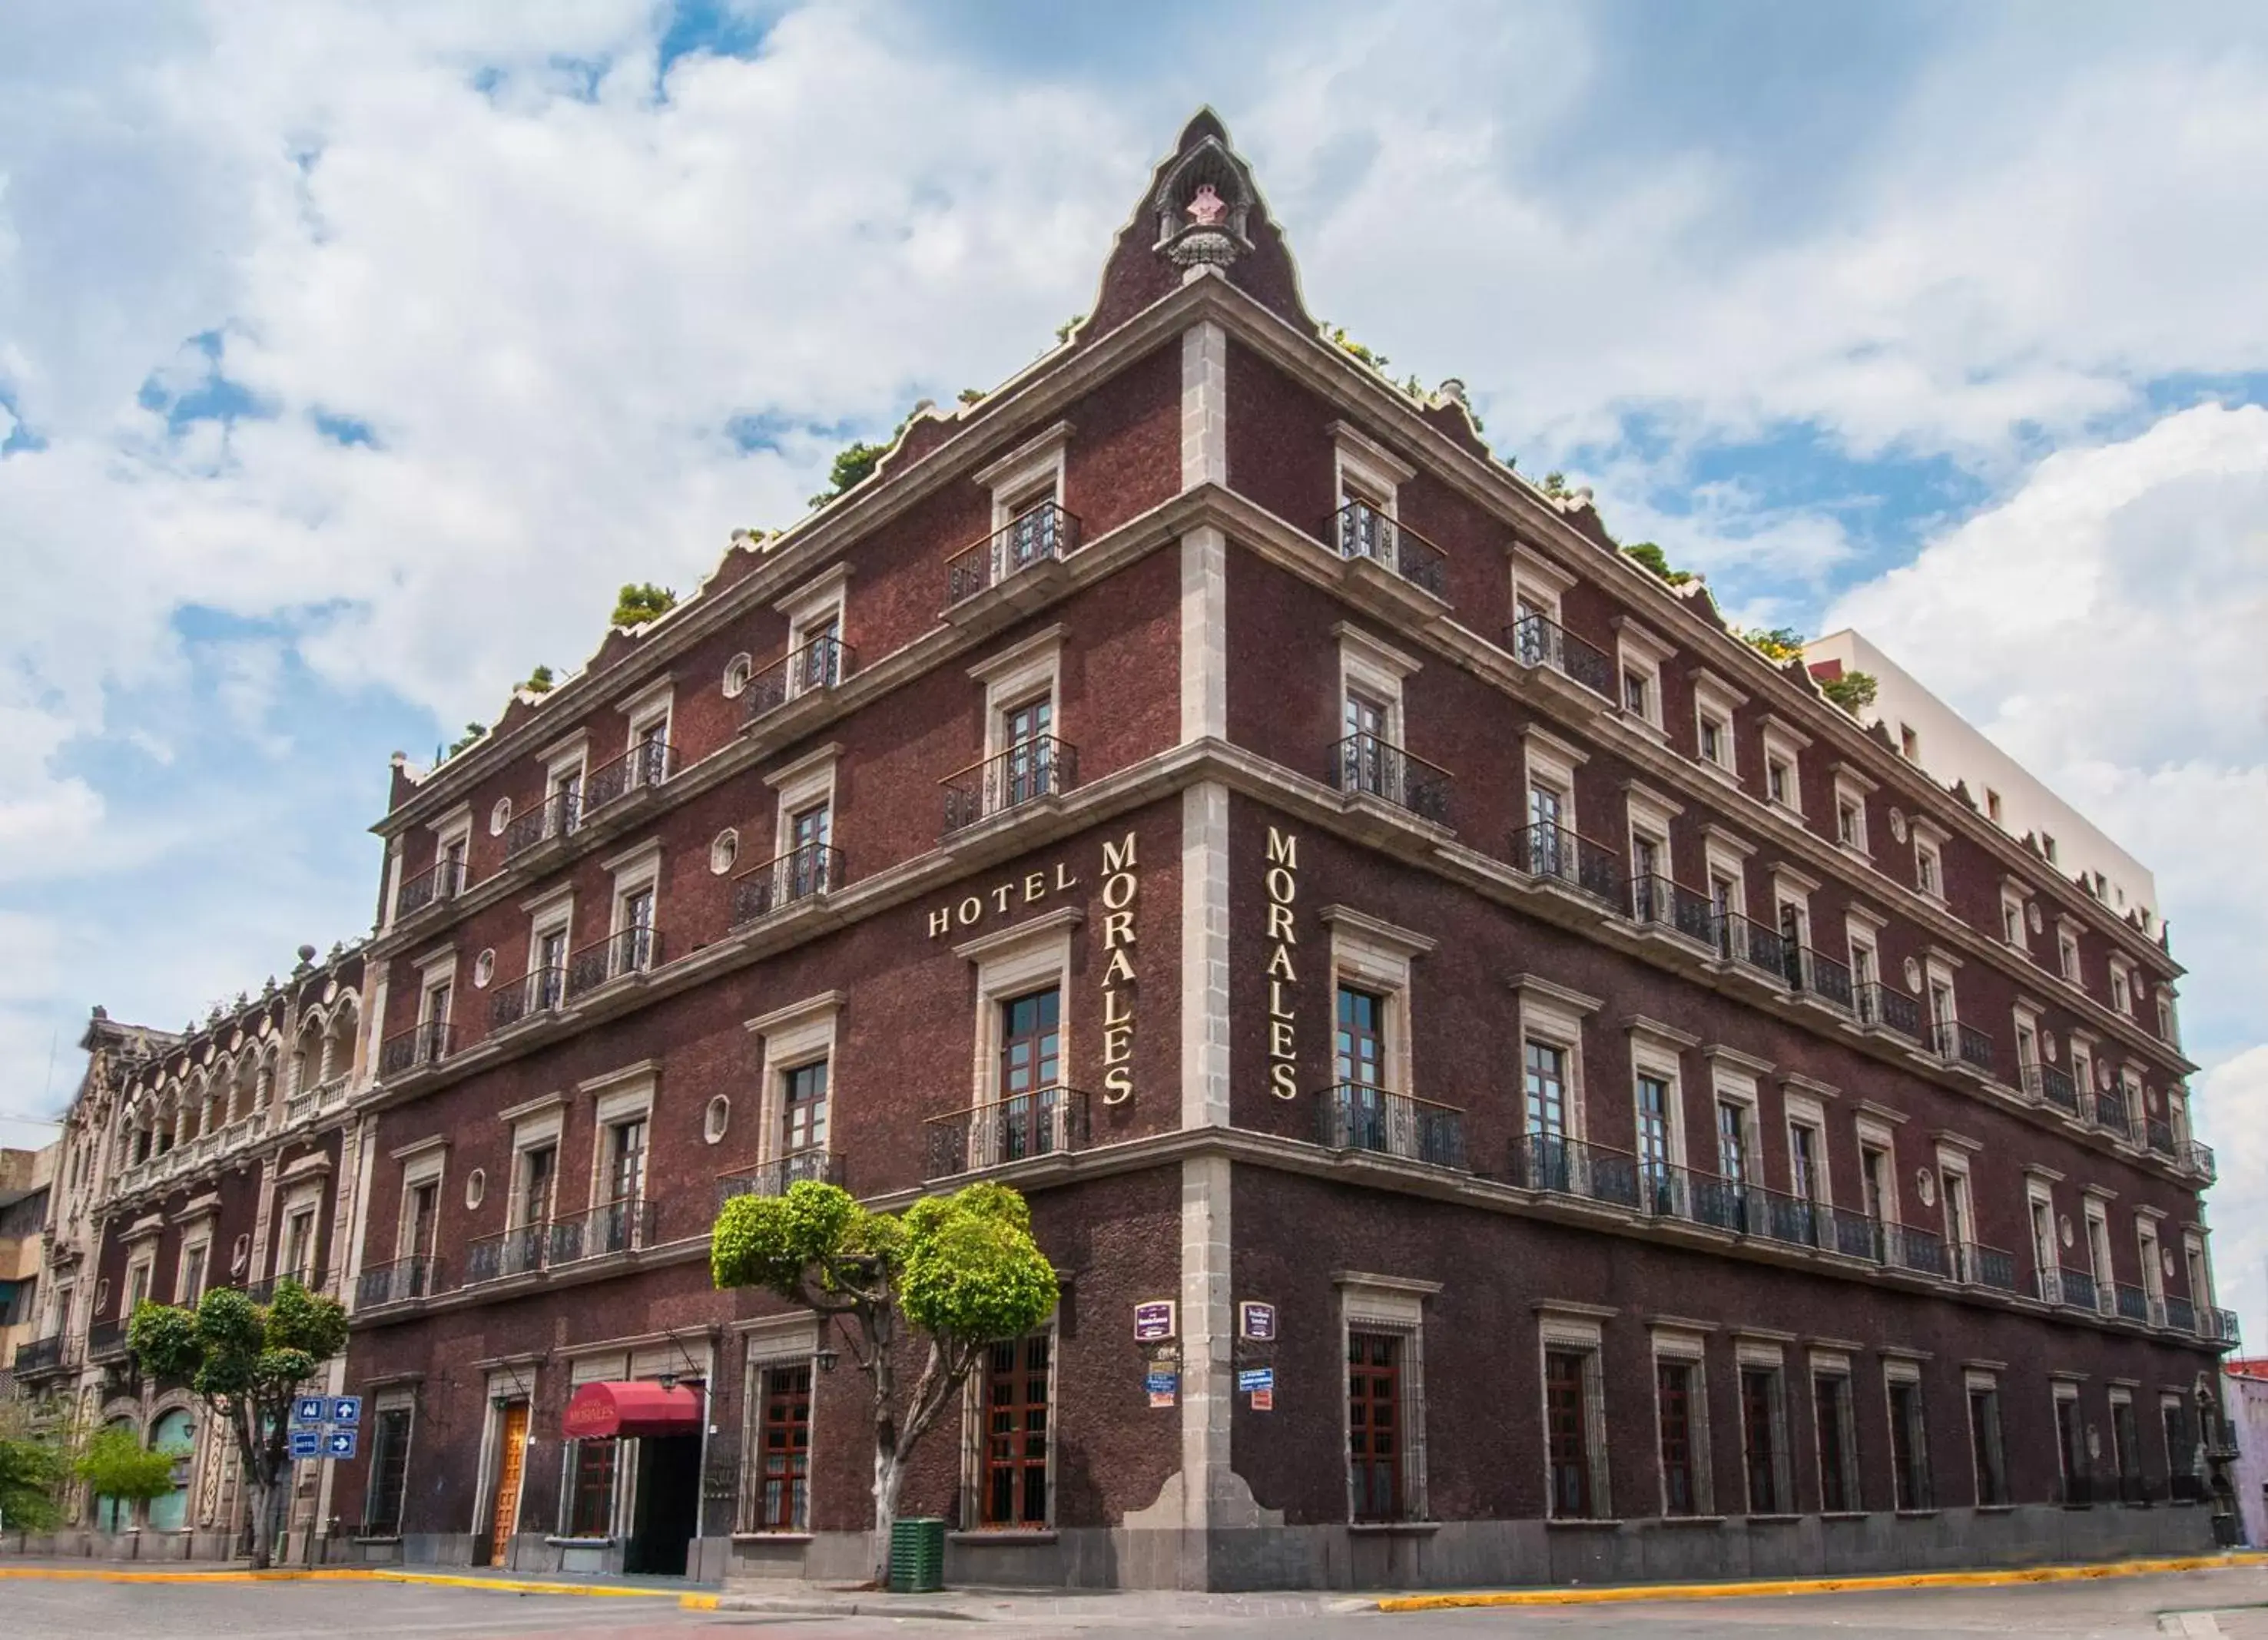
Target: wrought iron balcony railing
[(814, 868), (1046, 1121), (2051, 1084), (397, 1283), (42, 1354), (2225, 1327), (2133, 1302), (1539, 641), (623, 1225), (2158, 1133), (1660, 903), (530, 996), (1361, 530), (425, 1043), (1957, 1043), (1976, 1265), (1548, 850), (2109, 1113), (2197, 1156), (1821, 976), (1892, 1009), (1367, 764), (632, 950), (321, 1283), (443, 880), (822, 664), (2181, 1314), (105, 1340), (1356, 1116), (519, 1251), (556, 816), (1751, 945), (1041, 767), (773, 1178), (1045, 533), (642, 768), (1563, 1167), (2077, 1288)]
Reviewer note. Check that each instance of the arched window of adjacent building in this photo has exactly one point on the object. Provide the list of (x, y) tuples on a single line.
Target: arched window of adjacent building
[(339, 1040), (174, 1432)]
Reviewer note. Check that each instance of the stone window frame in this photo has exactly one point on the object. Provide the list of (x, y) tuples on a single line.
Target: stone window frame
[(1928, 839), (1808, 1110), (1544, 755), (1658, 1050), (552, 912), (1725, 855), (1640, 654), (1716, 701), (1538, 583), (1836, 1365), (1012, 962), (2122, 983), (1873, 1131), (1370, 665), (1750, 1353), (617, 1096), (783, 1341), (790, 1038), (1976, 1379), (1375, 470), (634, 869), (1953, 1161), (650, 703), (1377, 956), (1027, 671), (2062, 1387), (1648, 814), (972, 1440), (1555, 1015), (295, 1198), (598, 1366), (2024, 1021), (196, 1236), (2149, 1251), (1369, 1303), (533, 1126), (2070, 952), (423, 1163), (1785, 744), (1862, 931), (805, 783), (825, 598), (2084, 1065), (434, 970), (392, 1398), (1736, 1079), (570, 755), (2040, 1209), (1940, 967), (1575, 1329), (1687, 1345), (1793, 888), (1016, 479), (2016, 908), (2115, 1396), (2196, 1262), (1852, 790), (455, 827), (1907, 1369)]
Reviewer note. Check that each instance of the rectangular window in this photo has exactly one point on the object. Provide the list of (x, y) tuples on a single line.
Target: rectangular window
[(1567, 1429), (1653, 1142), (1374, 1424), (1984, 1442), (1778, 780), (299, 1246), (1014, 1492), (804, 1109), (1732, 1142), (551, 967), (590, 1491), (425, 1219), (626, 1160), (1712, 741), (1674, 1389), (635, 952), (1803, 1148), (808, 831), (1760, 1438), (1360, 1046), (193, 1278), (782, 1496), (2126, 1450), (1838, 1447), (1547, 1090), (1031, 1042), (1847, 823), (1926, 871), (2120, 998), (1910, 1445), (390, 1473), (1634, 695)]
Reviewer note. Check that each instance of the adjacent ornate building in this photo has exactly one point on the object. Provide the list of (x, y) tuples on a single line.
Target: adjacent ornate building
[(1519, 1085), (216, 1155)]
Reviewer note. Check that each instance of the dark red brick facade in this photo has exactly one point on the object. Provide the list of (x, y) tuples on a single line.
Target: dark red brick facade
[(1198, 638)]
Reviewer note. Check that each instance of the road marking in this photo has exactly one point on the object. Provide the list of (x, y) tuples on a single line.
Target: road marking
[(2007, 1577)]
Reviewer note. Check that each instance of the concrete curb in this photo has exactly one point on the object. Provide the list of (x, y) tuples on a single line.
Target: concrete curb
[(2003, 1577)]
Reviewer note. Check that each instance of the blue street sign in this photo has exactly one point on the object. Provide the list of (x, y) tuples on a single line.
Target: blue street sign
[(346, 1409), (1256, 1378), (306, 1443), (307, 1409), (339, 1444)]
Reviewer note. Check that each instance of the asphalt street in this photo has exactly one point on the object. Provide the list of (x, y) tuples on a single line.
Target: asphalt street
[(2232, 1603)]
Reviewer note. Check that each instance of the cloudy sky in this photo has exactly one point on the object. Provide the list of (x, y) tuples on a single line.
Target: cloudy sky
[(351, 354)]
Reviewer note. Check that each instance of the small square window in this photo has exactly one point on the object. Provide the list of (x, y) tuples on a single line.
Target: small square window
[(1776, 780), (1848, 823), (1712, 740), (1637, 695)]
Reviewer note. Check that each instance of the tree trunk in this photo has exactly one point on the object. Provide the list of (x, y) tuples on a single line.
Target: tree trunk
[(889, 1475), (256, 1486)]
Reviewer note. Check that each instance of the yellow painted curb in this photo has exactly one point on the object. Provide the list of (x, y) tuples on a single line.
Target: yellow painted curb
[(697, 1602), (2006, 1576)]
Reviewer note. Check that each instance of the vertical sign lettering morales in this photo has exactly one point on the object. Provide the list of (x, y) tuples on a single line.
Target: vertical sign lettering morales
[(1283, 887), (1118, 890)]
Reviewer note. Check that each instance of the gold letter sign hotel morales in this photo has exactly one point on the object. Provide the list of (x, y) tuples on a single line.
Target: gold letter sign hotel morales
[(1118, 889), (1282, 884)]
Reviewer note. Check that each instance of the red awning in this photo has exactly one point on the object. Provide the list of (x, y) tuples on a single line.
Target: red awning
[(598, 1411)]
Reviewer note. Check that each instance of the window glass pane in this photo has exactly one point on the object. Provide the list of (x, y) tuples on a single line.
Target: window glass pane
[(1375, 1425)]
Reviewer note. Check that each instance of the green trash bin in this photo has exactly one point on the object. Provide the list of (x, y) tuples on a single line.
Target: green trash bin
[(916, 1556)]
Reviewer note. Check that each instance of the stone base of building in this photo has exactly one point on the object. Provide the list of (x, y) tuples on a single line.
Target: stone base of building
[(74, 1543)]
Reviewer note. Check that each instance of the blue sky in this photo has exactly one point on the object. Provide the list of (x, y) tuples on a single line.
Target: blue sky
[(350, 358)]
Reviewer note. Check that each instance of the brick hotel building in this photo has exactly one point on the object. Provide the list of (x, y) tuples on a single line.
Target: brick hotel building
[(1670, 1133)]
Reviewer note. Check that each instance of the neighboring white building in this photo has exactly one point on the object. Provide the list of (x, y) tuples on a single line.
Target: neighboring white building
[(1936, 737), (2244, 1391)]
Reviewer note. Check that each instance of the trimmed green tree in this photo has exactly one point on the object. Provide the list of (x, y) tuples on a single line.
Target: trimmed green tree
[(32, 1472), (245, 1362), (951, 1275), (116, 1465)]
